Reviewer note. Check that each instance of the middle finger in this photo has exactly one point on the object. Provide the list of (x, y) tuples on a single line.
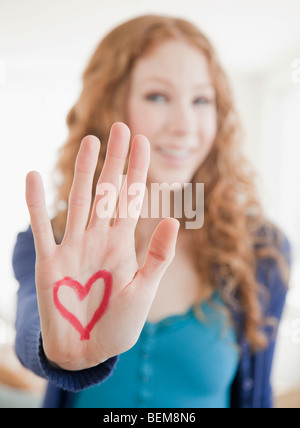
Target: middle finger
[(116, 155)]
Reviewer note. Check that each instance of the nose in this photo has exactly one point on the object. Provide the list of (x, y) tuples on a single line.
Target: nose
[(181, 120)]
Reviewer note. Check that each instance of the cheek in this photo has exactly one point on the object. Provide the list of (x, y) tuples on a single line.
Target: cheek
[(208, 130), (206, 133)]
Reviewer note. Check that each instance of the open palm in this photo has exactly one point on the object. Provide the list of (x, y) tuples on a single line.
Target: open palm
[(93, 297)]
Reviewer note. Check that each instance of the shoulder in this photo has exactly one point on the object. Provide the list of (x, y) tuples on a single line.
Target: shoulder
[(25, 239), (271, 237), (24, 252), (273, 251)]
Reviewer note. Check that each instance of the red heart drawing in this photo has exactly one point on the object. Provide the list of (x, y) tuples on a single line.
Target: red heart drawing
[(82, 291)]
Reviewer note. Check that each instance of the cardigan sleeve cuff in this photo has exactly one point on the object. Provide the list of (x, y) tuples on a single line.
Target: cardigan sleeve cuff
[(74, 381)]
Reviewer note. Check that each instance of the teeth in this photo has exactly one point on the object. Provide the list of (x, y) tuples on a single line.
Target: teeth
[(176, 153)]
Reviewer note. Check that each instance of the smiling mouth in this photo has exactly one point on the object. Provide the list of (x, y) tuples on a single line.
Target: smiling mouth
[(169, 152)]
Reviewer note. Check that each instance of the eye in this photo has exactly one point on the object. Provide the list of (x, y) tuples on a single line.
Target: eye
[(202, 101), (156, 97)]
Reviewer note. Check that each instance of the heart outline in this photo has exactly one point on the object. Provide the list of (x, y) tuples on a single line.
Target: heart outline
[(82, 291)]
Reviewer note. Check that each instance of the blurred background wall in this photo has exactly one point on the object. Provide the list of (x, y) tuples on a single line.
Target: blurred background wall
[(44, 46)]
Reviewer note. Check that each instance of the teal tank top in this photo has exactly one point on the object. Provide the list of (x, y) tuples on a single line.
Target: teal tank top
[(179, 362)]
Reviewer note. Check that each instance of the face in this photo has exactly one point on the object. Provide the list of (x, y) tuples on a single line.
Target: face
[(172, 102)]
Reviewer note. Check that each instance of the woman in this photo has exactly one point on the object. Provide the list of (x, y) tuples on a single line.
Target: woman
[(187, 328)]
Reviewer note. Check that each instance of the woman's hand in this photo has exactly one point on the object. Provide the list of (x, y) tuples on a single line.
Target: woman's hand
[(93, 297)]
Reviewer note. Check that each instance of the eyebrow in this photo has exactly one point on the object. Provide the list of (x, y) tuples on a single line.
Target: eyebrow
[(167, 82)]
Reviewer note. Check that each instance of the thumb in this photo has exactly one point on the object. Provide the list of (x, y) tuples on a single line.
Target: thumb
[(161, 250)]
